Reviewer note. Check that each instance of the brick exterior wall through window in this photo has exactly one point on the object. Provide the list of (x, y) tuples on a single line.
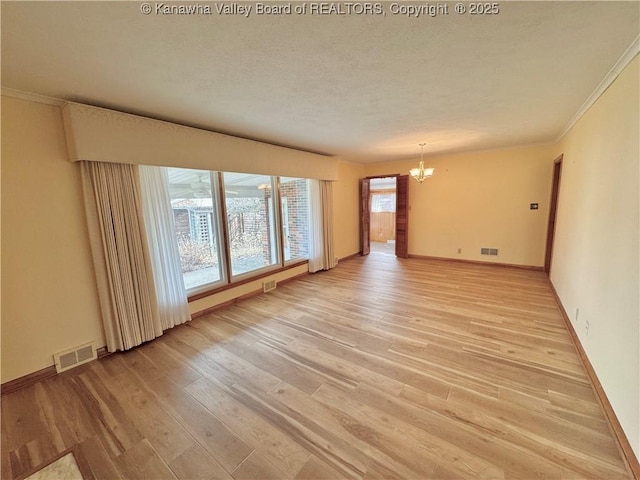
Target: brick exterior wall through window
[(297, 229)]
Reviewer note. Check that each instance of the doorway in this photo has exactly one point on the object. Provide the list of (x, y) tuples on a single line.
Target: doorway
[(553, 211), (384, 214)]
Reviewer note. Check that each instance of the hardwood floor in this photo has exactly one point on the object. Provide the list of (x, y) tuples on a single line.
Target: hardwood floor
[(380, 368)]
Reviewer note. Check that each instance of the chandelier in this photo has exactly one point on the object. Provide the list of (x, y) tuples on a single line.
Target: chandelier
[(421, 173)]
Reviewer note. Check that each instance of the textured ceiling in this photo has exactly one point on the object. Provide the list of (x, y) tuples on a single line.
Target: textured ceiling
[(365, 87)]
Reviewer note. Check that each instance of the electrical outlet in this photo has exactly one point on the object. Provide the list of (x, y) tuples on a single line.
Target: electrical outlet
[(586, 327), (459, 250)]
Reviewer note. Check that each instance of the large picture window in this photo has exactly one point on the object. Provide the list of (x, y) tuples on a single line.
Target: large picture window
[(232, 225)]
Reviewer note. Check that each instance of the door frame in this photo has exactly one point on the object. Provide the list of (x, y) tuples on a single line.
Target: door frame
[(553, 212), (365, 215), (402, 216)]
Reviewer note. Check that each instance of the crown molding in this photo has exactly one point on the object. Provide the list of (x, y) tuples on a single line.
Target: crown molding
[(626, 58), (33, 97)]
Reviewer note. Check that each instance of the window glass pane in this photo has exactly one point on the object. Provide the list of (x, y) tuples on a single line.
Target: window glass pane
[(294, 194), (193, 200), (251, 221), (383, 202)]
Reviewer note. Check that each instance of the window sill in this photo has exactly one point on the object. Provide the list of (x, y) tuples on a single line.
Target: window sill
[(245, 279)]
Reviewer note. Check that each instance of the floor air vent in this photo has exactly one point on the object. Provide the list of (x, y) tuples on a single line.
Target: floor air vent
[(268, 286), (488, 251), (74, 357)]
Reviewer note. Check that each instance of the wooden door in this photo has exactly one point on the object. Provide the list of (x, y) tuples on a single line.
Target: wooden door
[(402, 216), (365, 241), (553, 210)]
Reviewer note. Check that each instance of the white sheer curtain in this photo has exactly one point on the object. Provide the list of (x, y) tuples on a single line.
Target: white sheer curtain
[(321, 253), (119, 248), (173, 306)]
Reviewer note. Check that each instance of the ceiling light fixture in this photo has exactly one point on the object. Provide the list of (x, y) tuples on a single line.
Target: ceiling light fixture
[(200, 188), (421, 173)]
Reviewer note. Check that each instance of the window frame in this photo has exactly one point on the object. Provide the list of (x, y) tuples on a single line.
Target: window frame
[(220, 221), (217, 233), (277, 236)]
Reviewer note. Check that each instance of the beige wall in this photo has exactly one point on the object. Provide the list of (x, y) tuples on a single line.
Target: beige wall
[(477, 200), (49, 298), (245, 289), (596, 255), (346, 229)]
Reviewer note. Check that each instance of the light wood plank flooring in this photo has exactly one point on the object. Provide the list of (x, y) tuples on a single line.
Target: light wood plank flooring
[(380, 368)]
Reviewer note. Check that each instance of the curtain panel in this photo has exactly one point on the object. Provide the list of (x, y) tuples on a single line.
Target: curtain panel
[(119, 248), (321, 250), (173, 306)]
